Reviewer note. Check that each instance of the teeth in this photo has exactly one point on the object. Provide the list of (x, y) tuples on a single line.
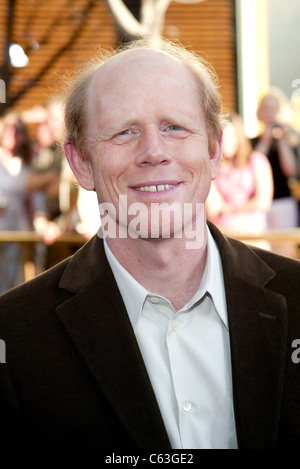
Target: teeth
[(159, 188)]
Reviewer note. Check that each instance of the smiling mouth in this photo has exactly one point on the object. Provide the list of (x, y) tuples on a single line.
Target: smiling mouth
[(155, 188)]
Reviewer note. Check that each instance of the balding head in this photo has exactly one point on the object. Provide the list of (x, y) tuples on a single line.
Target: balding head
[(80, 94)]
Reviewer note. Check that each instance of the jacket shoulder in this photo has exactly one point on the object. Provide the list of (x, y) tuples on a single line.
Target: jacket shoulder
[(281, 264), (256, 265), (287, 271), (37, 294)]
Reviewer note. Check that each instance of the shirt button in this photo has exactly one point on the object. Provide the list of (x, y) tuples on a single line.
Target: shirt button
[(154, 300), (186, 406), (174, 325)]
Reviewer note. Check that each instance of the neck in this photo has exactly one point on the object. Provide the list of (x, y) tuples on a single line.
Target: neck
[(163, 266)]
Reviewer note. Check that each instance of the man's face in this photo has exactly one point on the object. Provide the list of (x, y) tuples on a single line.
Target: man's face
[(147, 136)]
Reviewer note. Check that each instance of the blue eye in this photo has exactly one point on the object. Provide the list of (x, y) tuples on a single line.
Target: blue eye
[(124, 136), (174, 127)]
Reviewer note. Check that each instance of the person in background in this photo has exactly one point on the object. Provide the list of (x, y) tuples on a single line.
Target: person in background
[(279, 142), (46, 158), (79, 208), (72, 209), (49, 157), (18, 182), (54, 212), (241, 194)]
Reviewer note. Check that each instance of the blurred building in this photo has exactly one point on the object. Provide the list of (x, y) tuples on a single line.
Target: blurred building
[(59, 36)]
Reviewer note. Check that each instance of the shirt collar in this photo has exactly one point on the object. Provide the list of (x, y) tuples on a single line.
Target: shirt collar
[(134, 294)]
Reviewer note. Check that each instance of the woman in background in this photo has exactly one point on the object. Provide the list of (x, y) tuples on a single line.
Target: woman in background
[(241, 194), (17, 182), (279, 142)]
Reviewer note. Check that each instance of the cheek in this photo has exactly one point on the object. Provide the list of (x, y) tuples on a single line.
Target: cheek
[(199, 176), (200, 163), (109, 173)]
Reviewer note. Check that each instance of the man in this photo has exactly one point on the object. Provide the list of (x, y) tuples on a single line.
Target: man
[(154, 337)]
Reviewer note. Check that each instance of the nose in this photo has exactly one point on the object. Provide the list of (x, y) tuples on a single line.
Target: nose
[(152, 149)]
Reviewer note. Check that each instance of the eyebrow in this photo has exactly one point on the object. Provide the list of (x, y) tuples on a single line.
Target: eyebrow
[(180, 119), (108, 130), (184, 120)]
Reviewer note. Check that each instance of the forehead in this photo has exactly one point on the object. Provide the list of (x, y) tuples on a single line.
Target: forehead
[(133, 70), (270, 102)]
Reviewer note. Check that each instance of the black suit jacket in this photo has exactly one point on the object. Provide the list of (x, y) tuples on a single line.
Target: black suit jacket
[(74, 375)]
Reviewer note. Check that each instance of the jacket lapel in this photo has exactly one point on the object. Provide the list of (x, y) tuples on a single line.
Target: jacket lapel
[(97, 323), (258, 330)]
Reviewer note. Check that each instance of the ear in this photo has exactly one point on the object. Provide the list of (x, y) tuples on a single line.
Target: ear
[(216, 156), (81, 167)]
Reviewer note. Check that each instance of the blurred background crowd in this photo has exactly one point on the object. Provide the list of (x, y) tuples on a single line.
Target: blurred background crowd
[(257, 186), (37, 189)]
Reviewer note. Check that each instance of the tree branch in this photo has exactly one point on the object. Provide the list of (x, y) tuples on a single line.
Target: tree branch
[(125, 18), (189, 1), (153, 15)]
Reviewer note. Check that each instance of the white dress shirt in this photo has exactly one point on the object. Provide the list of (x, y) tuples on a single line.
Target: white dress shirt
[(187, 356)]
